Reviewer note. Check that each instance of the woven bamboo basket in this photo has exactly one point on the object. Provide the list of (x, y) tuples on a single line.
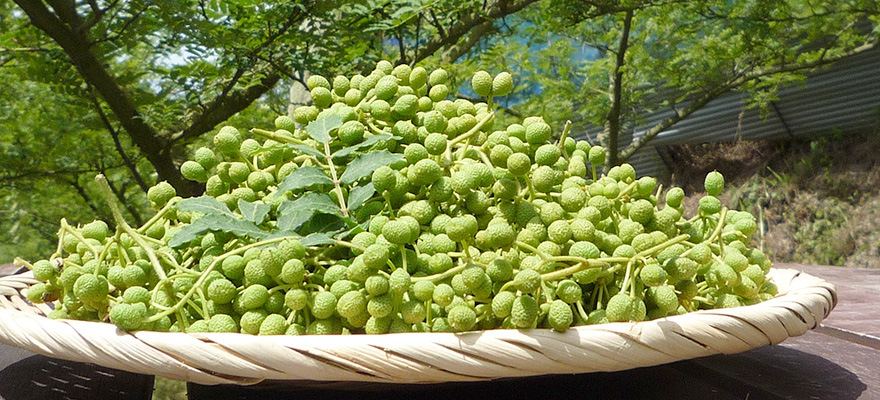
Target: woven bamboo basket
[(406, 358)]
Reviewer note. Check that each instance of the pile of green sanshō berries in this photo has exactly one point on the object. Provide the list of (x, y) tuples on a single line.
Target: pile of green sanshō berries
[(461, 225)]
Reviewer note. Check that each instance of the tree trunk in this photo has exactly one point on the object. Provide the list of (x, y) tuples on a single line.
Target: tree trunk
[(76, 45), (611, 134)]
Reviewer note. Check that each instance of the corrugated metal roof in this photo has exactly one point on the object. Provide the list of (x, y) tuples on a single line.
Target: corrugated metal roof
[(845, 97)]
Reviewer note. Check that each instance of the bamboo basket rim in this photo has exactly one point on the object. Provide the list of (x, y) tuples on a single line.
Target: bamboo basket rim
[(417, 358)]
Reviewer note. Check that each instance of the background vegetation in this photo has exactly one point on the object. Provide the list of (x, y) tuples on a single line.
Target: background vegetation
[(127, 88)]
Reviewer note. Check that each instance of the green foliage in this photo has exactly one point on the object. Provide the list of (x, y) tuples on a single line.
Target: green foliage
[(286, 252), (677, 56)]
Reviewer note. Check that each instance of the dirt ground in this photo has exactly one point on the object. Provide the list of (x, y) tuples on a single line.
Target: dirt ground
[(818, 201)]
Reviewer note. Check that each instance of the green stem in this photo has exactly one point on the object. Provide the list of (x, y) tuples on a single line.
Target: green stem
[(314, 286), (276, 137), (339, 194), (155, 294), (702, 299), (661, 246), (441, 276), (79, 237), (627, 276), (604, 261), (387, 196), (182, 322), (350, 245), (484, 158), (428, 312), (374, 128), (546, 291), (121, 253), (283, 287), (532, 194), (170, 260), (403, 255), (632, 289), (531, 249), (467, 251), (463, 150), (204, 274), (471, 131), (717, 232), (595, 294), (466, 135), (120, 221), (365, 100), (626, 190), (60, 248), (205, 313), (582, 314), (565, 130), (161, 213)]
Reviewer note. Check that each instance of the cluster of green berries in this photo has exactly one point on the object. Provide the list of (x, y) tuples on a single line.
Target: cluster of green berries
[(465, 226)]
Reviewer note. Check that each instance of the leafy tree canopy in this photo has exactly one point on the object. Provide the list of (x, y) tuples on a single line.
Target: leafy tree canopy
[(129, 88)]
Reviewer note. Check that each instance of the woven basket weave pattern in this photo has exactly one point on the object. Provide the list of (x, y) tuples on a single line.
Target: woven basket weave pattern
[(216, 358)]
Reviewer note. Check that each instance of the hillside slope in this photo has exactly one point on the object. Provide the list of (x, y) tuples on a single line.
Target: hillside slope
[(819, 200)]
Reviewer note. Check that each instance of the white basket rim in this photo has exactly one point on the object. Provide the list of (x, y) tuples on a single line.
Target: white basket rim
[(406, 358)]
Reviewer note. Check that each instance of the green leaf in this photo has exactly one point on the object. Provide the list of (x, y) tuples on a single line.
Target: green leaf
[(254, 212), (360, 194), (320, 129), (292, 214), (308, 150), (322, 223), (354, 230), (217, 222), (344, 152), (262, 150), (364, 165), (282, 233), (318, 202), (292, 221), (304, 178), (316, 239), (204, 204)]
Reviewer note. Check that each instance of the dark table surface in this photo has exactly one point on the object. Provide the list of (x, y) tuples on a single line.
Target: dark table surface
[(838, 360)]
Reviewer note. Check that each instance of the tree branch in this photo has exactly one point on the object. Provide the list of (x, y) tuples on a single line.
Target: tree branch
[(612, 119), (108, 36), (115, 134), (6, 180), (24, 50), (440, 30), (417, 37), (495, 9), (127, 204), (227, 103), (66, 10), (700, 101), (239, 72), (822, 61), (97, 13), (85, 196), (75, 44), (461, 48), (401, 47), (223, 107), (591, 9)]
